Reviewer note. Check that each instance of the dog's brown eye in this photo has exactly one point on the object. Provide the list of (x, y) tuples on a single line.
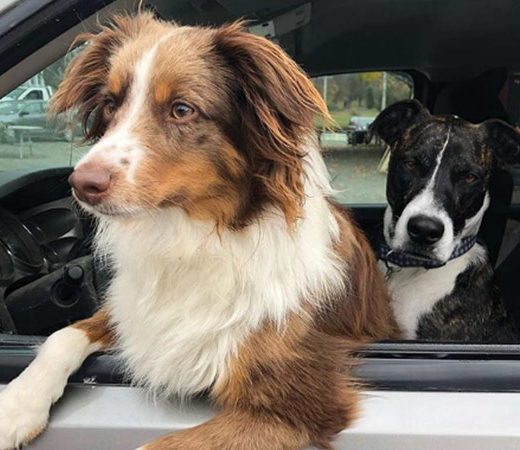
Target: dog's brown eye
[(109, 109), (470, 178), (182, 112), (410, 164)]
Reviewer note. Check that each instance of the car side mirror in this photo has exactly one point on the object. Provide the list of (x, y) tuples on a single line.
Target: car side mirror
[(23, 113)]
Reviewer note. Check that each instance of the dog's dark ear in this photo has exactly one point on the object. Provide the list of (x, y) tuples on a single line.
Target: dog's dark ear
[(393, 121), (503, 140), (87, 73), (277, 104)]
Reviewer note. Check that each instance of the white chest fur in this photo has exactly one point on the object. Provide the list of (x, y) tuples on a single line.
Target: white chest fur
[(415, 291), (184, 298)]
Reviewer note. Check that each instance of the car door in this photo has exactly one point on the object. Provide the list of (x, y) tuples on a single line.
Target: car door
[(415, 395), (31, 114)]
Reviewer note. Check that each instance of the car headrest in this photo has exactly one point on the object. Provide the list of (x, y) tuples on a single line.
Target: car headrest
[(476, 99)]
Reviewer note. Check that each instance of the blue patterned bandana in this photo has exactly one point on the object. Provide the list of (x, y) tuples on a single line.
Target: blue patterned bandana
[(403, 259)]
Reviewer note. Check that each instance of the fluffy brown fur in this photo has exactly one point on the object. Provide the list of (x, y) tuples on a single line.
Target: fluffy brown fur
[(268, 92), (239, 152)]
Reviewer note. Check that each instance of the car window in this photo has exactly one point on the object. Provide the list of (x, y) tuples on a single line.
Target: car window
[(357, 168), (31, 140), (32, 108), (34, 95)]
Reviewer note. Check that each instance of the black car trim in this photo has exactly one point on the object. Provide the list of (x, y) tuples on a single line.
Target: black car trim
[(18, 12), (386, 366)]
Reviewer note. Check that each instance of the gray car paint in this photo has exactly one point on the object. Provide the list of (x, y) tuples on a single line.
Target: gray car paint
[(93, 417)]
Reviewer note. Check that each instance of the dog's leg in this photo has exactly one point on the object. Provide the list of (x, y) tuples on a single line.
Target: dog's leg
[(26, 401)]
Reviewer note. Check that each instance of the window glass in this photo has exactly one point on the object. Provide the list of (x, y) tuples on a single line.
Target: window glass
[(358, 169), (31, 108), (29, 139), (34, 95)]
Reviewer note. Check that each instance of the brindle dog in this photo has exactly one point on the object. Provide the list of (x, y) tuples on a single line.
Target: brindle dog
[(439, 276)]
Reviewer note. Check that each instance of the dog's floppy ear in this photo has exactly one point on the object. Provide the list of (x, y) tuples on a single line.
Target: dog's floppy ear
[(277, 104), (393, 121), (84, 77), (503, 140)]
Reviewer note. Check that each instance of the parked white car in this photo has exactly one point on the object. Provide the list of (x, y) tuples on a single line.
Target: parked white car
[(30, 93)]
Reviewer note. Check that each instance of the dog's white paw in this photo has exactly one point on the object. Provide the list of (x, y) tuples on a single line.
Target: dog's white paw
[(24, 413)]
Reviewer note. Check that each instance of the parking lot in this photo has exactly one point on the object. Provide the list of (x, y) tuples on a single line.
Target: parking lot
[(355, 175), (42, 155), (353, 169)]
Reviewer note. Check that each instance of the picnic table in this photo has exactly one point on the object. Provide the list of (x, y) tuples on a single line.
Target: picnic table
[(24, 132)]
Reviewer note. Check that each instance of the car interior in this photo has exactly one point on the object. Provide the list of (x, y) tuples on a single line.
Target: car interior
[(461, 56)]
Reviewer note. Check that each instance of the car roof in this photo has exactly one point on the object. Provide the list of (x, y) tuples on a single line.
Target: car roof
[(444, 39)]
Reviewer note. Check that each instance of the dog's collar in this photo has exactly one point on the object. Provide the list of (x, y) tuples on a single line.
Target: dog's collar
[(404, 259)]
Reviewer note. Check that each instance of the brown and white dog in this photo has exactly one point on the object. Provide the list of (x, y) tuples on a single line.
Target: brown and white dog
[(234, 274)]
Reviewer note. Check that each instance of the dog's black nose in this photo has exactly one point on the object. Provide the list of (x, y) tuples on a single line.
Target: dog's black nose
[(425, 230)]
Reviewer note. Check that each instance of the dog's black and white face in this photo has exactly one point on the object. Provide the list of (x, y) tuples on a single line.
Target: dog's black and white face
[(438, 177)]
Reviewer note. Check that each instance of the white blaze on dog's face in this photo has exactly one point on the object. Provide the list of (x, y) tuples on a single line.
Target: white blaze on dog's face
[(438, 178), (207, 120), (437, 190)]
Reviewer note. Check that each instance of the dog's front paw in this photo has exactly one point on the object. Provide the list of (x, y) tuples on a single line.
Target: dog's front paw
[(24, 413)]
